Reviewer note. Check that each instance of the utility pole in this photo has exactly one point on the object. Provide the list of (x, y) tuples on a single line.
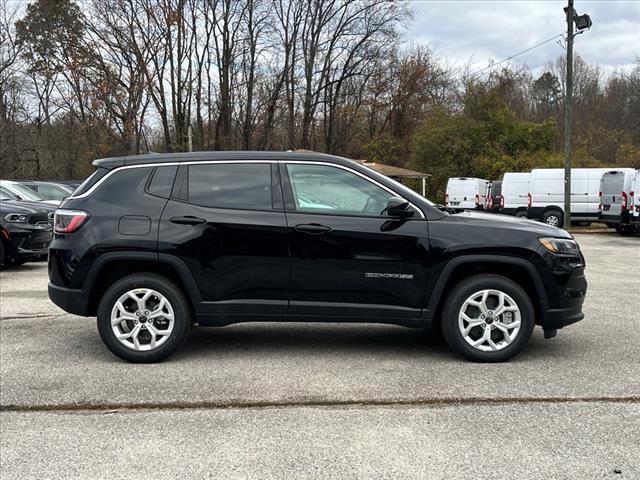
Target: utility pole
[(189, 139), (568, 107)]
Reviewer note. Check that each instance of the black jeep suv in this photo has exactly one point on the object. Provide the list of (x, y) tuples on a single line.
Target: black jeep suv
[(152, 244)]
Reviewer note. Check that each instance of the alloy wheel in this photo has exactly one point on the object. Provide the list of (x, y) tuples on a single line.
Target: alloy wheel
[(489, 320), (142, 319)]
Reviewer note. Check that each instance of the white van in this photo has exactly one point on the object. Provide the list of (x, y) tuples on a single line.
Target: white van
[(515, 190), (629, 216), (546, 194), (464, 193), (615, 193), (634, 201)]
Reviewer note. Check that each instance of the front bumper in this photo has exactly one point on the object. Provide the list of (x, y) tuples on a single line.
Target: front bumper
[(27, 242), (566, 307)]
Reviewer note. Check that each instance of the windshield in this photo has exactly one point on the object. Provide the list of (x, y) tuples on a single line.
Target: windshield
[(6, 195), (26, 193)]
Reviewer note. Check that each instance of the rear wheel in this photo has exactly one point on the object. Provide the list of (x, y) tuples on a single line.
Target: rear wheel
[(143, 318), (555, 218), (488, 318)]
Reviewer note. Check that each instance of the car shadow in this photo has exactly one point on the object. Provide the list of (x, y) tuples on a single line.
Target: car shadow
[(312, 339), (30, 266)]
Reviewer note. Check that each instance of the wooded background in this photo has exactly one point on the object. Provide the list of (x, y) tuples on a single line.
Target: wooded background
[(84, 80)]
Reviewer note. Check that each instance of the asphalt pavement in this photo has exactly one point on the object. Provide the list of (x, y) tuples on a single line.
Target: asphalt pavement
[(278, 400)]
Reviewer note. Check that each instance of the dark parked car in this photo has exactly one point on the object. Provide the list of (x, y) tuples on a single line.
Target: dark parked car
[(151, 244), (25, 231), (49, 190)]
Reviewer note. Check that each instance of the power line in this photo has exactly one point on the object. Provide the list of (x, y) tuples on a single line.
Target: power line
[(518, 54)]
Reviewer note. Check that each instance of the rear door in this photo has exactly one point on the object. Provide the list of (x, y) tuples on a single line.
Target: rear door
[(225, 221), (611, 188), (347, 257)]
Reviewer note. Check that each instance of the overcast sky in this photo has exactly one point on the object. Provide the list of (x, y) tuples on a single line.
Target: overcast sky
[(483, 30)]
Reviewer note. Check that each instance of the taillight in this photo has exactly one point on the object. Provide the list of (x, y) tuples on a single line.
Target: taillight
[(600, 197), (491, 201), (68, 221), (446, 199), (501, 202), (529, 201), (625, 200)]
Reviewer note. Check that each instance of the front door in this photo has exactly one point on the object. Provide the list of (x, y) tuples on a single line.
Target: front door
[(225, 221), (347, 257)]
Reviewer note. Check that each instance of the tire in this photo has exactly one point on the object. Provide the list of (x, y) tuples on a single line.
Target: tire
[(141, 350), (625, 229), (456, 303), (555, 218), (521, 214)]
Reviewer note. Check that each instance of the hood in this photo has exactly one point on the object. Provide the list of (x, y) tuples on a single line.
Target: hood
[(507, 221), (21, 206)]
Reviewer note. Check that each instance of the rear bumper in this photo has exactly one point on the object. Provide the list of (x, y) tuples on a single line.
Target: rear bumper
[(512, 210), (624, 217), (70, 300)]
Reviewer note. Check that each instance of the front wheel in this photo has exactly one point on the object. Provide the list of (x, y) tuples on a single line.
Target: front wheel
[(488, 318), (143, 318)]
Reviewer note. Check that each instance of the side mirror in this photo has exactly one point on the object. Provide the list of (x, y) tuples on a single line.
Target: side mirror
[(398, 207)]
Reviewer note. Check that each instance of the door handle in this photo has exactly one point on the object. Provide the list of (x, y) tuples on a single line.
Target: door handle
[(187, 220), (313, 228)]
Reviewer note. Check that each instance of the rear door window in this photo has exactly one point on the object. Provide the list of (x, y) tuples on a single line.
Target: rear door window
[(243, 186)]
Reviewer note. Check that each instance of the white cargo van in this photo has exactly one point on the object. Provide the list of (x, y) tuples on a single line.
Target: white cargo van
[(634, 200), (620, 201), (464, 193), (515, 190), (615, 190), (546, 194)]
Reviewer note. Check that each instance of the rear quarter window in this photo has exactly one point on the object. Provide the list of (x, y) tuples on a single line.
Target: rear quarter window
[(90, 181), (124, 186), (162, 181)]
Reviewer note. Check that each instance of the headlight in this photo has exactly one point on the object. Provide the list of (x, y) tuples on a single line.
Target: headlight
[(16, 218), (562, 246)]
